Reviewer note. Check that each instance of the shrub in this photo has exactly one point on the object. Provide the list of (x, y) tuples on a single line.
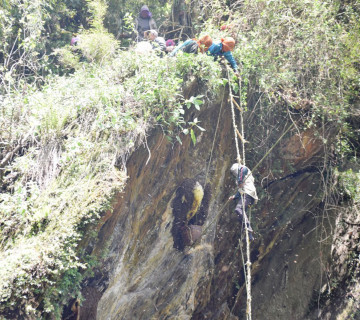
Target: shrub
[(79, 133)]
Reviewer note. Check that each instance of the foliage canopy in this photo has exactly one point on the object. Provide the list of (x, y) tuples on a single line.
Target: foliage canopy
[(70, 117)]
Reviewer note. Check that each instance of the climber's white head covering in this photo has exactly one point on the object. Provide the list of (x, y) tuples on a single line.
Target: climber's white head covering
[(151, 32), (234, 169)]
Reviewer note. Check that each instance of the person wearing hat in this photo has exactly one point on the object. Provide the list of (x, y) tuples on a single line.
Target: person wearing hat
[(246, 194), (158, 43), (224, 48), (144, 22), (194, 46)]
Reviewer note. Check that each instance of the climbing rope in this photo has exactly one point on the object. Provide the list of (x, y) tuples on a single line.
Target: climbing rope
[(242, 122), (213, 144), (227, 202), (246, 265), (244, 270), (233, 116)]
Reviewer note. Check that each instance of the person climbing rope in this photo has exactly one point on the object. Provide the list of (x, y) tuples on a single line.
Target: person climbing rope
[(144, 22), (224, 48), (246, 193), (193, 46)]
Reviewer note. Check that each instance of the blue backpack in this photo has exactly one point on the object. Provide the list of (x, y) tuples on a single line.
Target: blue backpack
[(242, 172)]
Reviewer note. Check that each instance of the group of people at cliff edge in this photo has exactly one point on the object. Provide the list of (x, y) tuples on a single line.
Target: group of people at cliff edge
[(146, 31)]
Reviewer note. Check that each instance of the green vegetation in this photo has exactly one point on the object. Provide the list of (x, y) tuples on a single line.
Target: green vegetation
[(78, 133), (71, 117), (350, 184), (294, 52), (74, 137)]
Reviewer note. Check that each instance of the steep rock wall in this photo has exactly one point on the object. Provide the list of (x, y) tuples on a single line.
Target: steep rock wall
[(144, 277)]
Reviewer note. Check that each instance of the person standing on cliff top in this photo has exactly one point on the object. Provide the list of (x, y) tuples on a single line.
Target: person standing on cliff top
[(246, 194), (144, 22)]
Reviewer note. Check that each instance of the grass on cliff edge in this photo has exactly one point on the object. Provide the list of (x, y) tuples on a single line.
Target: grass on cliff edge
[(76, 135)]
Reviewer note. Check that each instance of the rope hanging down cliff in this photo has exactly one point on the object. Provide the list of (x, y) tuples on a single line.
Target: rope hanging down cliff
[(247, 265), (246, 223), (248, 262), (256, 166)]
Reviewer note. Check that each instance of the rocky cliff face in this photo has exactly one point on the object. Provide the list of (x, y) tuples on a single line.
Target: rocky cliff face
[(144, 277)]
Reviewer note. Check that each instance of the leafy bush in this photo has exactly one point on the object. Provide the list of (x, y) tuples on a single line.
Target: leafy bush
[(64, 150), (68, 58), (29, 30), (78, 132), (350, 184), (97, 46)]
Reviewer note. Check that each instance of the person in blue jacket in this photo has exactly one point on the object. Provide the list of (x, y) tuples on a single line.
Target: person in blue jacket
[(193, 46), (224, 48)]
